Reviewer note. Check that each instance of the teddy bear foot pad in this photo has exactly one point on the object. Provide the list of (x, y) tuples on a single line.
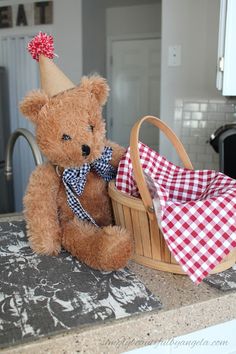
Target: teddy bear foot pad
[(44, 295)]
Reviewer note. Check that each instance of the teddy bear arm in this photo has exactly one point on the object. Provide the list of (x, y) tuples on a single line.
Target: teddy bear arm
[(41, 213), (118, 152)]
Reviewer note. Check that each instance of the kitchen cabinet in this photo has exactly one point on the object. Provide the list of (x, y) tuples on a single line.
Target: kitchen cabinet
[(226, 68)]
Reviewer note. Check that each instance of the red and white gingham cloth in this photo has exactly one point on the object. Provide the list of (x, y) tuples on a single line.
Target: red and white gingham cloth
[(196, 210)]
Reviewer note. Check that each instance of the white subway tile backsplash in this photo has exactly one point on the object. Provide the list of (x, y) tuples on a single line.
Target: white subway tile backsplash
[(201, 140), (185, 132), (178, 113), (197, 165), (212, 125), (204, 157), (230, 117), (212, 107), (205, 166), (216, 116), (193, 124), (198, 148), (201, 148), (192, 148), (215, 157), (203, 107), (195, 132), (220, 101), (186, 115), (197, 115), (190, 140), (192, 156), (203, 124), (228, 108), (186, 123), (191, 107), (178, 103), (197, 120)]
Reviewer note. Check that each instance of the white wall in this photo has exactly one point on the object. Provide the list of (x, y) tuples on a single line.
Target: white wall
[(193, 25), (67, 31), (94, 36), (133, 20)]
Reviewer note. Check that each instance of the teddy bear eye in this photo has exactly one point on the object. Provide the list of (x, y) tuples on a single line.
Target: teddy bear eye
[(90, 128), (66, 137)]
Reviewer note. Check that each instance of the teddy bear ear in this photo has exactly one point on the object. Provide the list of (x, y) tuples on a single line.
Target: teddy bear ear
[(32, 104), (98, 86)]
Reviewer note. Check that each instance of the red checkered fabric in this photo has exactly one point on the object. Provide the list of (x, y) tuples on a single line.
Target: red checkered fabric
[(196, 210)]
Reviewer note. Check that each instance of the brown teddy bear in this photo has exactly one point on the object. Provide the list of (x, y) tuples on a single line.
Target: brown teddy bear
[(67, 203)]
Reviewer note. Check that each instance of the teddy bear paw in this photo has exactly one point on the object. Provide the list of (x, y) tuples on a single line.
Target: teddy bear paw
[(113, 248)]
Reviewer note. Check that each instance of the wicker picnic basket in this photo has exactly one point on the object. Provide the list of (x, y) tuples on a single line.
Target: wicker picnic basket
[(138, 215)]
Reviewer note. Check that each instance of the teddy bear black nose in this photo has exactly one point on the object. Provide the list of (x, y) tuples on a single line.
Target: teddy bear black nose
[(85, 150)]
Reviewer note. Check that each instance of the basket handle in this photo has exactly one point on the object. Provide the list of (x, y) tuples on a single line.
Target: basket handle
[(134, 154)]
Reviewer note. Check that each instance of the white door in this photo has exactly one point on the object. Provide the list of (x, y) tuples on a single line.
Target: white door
[(135, 88)]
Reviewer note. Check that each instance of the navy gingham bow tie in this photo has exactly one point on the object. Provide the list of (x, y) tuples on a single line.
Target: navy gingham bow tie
[(74, 180)]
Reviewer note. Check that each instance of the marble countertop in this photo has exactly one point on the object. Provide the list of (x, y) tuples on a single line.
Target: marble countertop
[(186, 308)]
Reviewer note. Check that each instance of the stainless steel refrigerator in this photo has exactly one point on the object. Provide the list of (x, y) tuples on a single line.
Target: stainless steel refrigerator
[(6, 188)]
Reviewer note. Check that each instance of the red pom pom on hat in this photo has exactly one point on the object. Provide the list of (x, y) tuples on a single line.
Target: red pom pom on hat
[(42, 44), (53, 80)]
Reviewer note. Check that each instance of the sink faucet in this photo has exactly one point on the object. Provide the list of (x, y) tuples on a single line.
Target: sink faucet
[(10, 146)]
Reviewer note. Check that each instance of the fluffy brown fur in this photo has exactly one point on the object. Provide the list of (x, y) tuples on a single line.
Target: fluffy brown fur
[(50, 222)]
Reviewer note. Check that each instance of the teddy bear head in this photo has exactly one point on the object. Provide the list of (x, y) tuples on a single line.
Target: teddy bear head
[(70, 130)]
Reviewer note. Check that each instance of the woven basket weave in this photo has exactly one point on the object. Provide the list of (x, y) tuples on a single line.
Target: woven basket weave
[(138, 216)]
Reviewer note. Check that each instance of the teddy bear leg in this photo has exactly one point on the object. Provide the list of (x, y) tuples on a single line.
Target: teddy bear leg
[(107, 248)]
